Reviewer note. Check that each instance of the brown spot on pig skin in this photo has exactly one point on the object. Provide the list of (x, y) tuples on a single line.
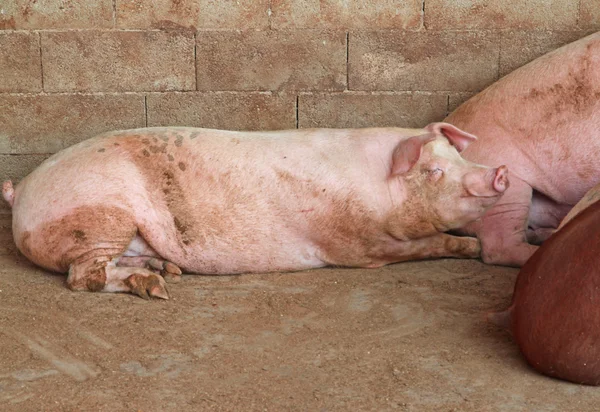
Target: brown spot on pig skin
[(179, 141), (79, 234), (93, 280), (157, 149), (75, 237), (146, 153), (101, 150), (577, 93), (171, 158), (555, 311), (181, 166), (587, 172)]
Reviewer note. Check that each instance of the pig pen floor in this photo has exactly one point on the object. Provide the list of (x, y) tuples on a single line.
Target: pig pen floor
[(405, 337)]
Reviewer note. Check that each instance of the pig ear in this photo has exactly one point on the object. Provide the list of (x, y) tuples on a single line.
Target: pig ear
[(457, 138), (408, 152)]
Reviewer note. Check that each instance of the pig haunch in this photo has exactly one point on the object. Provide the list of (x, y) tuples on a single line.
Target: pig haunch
[(129, 210)]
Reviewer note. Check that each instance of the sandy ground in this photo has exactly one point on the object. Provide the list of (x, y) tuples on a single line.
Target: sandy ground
[(405, 337)]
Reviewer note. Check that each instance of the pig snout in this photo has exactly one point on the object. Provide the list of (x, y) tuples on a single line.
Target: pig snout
[(487, 182)]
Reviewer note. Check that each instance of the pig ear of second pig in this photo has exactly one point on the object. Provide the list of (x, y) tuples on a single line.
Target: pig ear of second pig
[(408, 152), (457, 138)]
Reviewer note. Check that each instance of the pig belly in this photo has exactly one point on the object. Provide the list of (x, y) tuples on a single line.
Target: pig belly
[(555, 314)]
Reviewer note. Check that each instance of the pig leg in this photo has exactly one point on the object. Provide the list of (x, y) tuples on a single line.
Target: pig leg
[(503, 229), (87, 242), (102, 275), (140, 254), (436, 246)]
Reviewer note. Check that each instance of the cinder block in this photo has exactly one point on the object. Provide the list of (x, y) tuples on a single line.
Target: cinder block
[(16, 167), (49, 123), (271, 60), (361, 109), (20, 69), (589, 17), (456, 99), (428, 61), (346, 14), (520, 47), (223, 110), (7, 244), (118, 61), (196, 14), (55, 14), (500, 14)]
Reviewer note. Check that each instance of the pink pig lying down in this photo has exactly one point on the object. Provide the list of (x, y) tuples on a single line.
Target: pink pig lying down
[(113, 210), (543, 122)]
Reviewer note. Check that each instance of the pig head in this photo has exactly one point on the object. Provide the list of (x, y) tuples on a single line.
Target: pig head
[(443, 190)]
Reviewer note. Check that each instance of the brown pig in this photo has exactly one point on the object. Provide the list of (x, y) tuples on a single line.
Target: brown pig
[(113, 208), (555, 312), (543, 122)]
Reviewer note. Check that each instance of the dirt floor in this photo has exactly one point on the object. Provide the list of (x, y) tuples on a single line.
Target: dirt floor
[(405, 337)]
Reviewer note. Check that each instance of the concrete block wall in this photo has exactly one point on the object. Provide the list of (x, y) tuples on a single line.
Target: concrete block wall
[(70, 69)]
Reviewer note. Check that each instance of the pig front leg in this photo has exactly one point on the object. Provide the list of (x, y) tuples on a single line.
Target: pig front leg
[(441, 245), (503, 229)]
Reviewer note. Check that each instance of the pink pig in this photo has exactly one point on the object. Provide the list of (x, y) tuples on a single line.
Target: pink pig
[(543, 121), (115, 208)]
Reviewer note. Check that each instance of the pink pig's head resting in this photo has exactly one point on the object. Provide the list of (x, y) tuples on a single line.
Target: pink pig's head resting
[(443, 191)]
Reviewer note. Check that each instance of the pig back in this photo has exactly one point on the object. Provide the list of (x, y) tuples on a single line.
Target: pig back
[(556, 302)]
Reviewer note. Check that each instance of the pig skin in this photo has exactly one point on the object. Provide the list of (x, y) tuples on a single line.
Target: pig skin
[(543, 122), (113, 209), (555, 312)]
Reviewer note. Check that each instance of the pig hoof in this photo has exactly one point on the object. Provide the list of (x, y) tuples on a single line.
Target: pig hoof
[(170, 277), (172, 268), (146, 286), (164, 266)]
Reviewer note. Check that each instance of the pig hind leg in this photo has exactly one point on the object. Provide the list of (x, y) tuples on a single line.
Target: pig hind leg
[(102, 275), (140, 254), (87, 242)]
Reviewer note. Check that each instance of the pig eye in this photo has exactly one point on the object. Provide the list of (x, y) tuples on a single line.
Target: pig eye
[(435, 174)]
